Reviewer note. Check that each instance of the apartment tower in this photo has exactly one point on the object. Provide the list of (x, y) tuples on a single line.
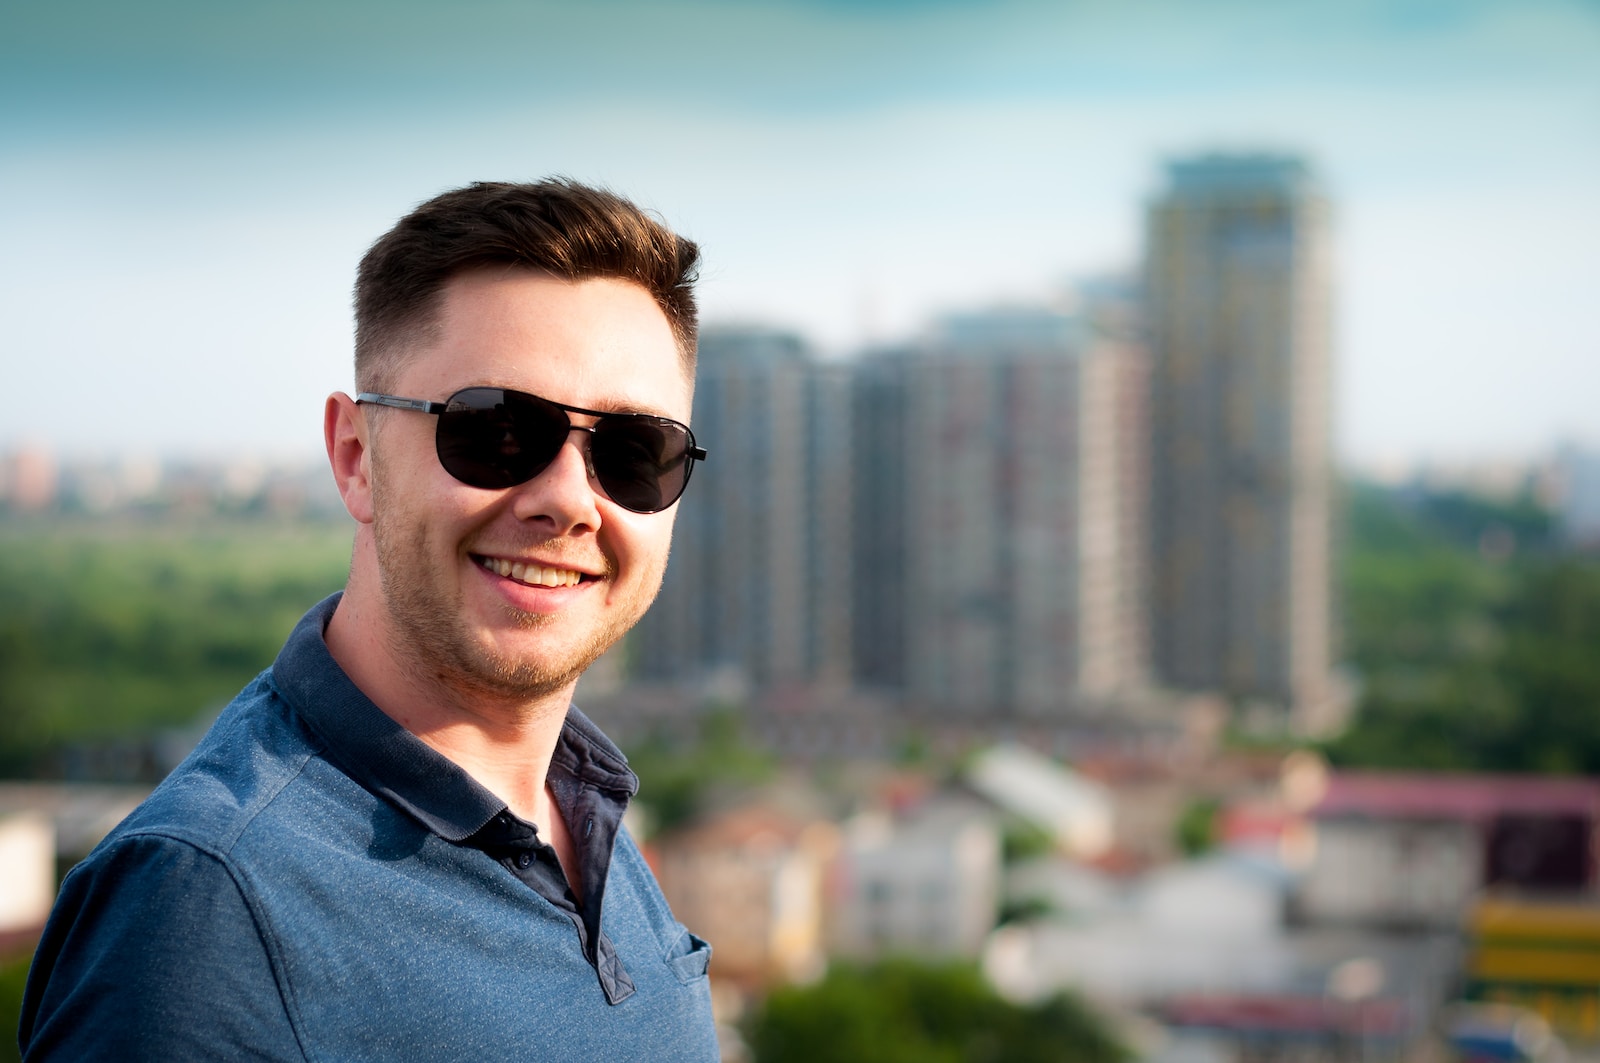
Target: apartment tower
[(998, 520), (1238, 280), (759, 581)]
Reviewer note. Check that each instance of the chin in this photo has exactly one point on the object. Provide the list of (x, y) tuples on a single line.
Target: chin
[(527, 676)]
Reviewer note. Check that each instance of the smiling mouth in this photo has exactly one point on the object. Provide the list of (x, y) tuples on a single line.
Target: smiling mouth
[(532, 575)]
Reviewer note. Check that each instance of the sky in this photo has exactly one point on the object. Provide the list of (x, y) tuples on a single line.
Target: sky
[(188, 184)]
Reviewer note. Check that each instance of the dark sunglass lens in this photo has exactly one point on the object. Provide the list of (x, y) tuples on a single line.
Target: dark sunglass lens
[(642, 462), (493, 438)]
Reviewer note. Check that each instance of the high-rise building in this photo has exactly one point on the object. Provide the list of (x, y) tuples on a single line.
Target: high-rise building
[(958, 522), (1238, 289), (759, 581), (998, 541)]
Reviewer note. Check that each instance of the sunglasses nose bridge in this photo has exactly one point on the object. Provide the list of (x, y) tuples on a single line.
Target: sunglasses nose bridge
[(587, 449)]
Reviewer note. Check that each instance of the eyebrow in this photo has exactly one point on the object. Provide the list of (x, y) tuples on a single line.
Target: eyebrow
[(637, 409)]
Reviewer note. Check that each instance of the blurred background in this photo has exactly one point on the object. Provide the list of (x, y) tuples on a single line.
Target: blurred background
[(1145, 586)]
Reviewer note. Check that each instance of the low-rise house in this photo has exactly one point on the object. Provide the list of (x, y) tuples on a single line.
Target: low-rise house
[(28, 881), (924, 880), (1413, 851), (1202, 945), (1209, 925), (1074, 810), (750, 881)]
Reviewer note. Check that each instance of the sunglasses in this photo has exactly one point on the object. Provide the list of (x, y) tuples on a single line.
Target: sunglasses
[(496, 437)]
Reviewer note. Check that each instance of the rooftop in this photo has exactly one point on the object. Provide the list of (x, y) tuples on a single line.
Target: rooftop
[(1474, 798)]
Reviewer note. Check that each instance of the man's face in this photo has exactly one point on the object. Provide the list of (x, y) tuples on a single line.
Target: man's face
[(588, 569)]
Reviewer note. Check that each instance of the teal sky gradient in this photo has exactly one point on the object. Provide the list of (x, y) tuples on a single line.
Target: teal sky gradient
[(190, 184)]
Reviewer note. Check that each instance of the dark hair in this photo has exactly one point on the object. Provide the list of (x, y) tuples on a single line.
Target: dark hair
[(557, 226)]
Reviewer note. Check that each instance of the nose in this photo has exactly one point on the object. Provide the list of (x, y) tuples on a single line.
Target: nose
[(562, 498)]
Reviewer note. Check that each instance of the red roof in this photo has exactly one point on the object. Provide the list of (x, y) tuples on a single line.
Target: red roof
[(1472, 798), (1287, 1015)]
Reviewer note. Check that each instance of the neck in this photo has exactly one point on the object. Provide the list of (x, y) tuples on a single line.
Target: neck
[(511, 760), (505, 743)]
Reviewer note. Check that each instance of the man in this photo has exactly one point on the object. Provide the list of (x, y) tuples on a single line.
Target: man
[(400, 841)]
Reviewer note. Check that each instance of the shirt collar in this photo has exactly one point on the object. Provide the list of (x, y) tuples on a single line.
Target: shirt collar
[(397, 765)]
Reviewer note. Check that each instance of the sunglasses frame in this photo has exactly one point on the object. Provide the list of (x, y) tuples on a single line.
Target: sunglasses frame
[(692, 453)]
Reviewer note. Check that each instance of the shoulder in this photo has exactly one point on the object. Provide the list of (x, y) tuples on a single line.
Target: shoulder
[(160, 922), (148, 935), (257, 749)]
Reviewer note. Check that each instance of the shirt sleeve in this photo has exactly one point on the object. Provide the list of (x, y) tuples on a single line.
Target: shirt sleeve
[(153, 953)]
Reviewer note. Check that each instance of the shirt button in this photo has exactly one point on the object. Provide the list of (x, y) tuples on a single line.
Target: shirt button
[(523, 860)]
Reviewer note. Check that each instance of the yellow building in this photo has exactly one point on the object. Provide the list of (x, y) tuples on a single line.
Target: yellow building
[(1543, 954)]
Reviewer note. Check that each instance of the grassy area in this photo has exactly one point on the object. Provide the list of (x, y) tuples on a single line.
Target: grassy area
[(111, 629)]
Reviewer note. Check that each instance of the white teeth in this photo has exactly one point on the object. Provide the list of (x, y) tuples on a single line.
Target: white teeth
[(551, 577), (536, 575)]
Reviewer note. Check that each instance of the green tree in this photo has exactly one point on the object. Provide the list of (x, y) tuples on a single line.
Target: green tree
[(1196, 829), (1022, 840), (1550, 662), (676, 776), (1473, 656), (901, 1011)]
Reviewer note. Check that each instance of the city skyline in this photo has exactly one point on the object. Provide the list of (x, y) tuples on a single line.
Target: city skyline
[(956, 521), (1038, 515), (190, 186)]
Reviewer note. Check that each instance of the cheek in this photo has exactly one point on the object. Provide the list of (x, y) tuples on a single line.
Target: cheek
[(416, 489), (643, 543), (659, 534), (420, 528)]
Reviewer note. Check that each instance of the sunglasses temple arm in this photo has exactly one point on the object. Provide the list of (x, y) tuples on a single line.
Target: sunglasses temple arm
[(367, 398)]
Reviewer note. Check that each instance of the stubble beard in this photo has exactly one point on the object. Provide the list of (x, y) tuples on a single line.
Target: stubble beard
[(430, 639)]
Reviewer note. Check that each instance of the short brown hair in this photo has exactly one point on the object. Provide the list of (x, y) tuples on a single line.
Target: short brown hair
[(557, 226)]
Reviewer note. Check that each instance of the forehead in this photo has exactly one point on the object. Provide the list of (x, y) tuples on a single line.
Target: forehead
[(601, 343)]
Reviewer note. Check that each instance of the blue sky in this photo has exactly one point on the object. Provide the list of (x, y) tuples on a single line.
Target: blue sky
[(189, 184)]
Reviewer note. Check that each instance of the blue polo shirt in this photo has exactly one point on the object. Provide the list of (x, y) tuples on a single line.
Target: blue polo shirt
[(316, 883)]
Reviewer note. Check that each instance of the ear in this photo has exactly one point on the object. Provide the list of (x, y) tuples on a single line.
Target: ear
[(344, 430)]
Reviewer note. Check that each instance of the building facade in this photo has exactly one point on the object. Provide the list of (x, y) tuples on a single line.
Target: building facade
[(1002, 517), (751, 881), (1419, 850), (925, 882), (758, 584)]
